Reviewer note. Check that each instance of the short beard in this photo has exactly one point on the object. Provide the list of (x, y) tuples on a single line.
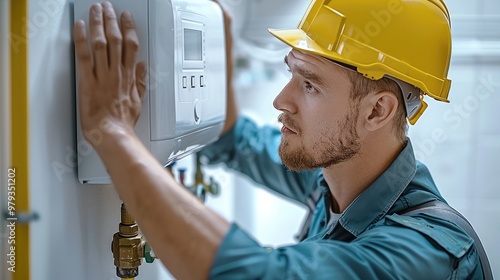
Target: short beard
[(333, 149)]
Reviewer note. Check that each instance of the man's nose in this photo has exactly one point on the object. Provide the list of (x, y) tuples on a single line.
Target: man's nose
[(284, 101)]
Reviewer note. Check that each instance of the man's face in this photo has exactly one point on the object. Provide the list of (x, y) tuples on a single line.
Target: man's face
[(319, 119)]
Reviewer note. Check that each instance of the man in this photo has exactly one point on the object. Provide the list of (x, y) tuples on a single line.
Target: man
[(343, 133)]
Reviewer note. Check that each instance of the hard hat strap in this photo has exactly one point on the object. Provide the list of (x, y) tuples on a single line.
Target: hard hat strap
[(411, 96)]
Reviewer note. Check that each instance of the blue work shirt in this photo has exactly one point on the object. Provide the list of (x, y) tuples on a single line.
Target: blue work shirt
[(369, 241)]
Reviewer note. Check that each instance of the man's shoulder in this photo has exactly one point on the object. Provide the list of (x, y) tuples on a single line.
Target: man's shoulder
[(446, 234)]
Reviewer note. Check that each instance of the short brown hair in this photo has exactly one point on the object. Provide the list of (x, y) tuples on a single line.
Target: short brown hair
[(362, 86)]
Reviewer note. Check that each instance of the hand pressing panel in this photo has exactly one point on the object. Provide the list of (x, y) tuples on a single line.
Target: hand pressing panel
[(111, 84)]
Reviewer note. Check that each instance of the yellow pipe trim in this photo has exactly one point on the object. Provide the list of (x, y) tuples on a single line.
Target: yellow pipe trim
[(19, 130), (128, 278)]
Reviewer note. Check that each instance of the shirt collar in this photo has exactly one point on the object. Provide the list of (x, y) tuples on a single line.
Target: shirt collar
[(376, 200)]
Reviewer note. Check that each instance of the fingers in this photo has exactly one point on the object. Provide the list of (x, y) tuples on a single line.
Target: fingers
[(82, 51), (140, 79), (99, 43), (113, 36), (130, 41)]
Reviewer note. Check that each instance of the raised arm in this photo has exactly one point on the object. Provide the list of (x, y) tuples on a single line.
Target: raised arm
[(231, 109)]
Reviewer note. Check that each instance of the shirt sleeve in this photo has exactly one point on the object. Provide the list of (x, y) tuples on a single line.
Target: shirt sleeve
[(387, 252), (253, 151)]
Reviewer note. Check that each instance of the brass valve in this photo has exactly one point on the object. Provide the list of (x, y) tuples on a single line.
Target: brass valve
[(127, 246), (211, 187), (200, 188)]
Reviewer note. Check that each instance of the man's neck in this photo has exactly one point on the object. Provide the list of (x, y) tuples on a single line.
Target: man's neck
[(349, 179)]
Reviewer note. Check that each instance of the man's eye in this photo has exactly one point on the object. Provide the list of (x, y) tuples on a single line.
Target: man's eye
[(309, 87)]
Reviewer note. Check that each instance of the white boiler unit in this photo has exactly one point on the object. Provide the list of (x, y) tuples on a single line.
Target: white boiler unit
[(183, 43)]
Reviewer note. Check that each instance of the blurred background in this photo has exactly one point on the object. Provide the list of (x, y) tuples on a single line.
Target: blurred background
[(459, 142)]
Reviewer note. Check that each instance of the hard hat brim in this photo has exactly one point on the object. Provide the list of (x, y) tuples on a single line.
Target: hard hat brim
[(298, 39)]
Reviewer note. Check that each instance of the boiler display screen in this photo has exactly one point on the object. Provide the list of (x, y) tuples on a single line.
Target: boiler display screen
[(193, 45)]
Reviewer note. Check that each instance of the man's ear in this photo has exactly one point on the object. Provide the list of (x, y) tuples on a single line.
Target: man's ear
[(379, 109)]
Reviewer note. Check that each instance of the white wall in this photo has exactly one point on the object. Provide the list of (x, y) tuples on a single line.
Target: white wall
[(72, 239), (73, 236)]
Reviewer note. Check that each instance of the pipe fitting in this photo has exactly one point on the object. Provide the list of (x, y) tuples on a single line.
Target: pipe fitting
[(127, 251), (126, 217), (128, 230), (127, 247)]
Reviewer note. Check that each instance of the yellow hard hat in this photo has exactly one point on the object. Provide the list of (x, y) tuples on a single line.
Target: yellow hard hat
[(407, 40)]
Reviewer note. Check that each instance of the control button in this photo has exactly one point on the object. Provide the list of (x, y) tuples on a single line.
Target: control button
[(197, 111), (193, 81), (184, 82), (202, 81)]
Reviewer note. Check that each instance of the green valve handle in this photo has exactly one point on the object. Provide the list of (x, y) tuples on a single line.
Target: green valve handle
[(213, 187), (149, 255)]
